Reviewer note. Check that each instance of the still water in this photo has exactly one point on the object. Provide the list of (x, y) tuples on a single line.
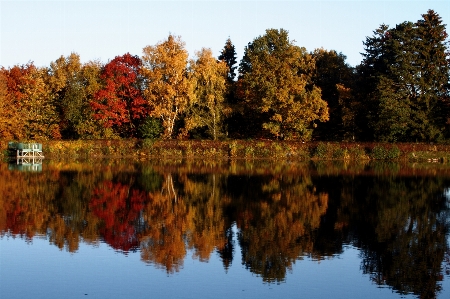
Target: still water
[(220, 229)]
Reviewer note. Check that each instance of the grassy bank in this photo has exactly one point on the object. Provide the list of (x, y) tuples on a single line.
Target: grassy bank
[(242, 149)]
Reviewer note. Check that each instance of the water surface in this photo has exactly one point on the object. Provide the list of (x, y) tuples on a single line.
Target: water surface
[(204, 229)]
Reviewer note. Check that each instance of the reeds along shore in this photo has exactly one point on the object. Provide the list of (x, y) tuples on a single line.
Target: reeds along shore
[(242, 149)]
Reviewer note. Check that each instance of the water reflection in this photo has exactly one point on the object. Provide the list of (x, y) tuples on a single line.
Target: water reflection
[(398, 216)]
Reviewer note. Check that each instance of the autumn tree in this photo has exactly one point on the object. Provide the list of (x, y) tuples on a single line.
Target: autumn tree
[(7, 111), (335, 79), (120, 104), (11, 120), (276, 84), (29, 106), (88, 127), (168, 88), (39, 107), (209, 108), (73, 85), (406, 75)]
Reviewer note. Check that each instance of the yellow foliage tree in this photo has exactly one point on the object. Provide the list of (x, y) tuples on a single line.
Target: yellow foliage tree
[(276, 84), (38, 107), (168, 86), (210, 87)]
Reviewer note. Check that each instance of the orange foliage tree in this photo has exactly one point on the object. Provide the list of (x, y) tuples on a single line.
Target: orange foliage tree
[(29, 110)]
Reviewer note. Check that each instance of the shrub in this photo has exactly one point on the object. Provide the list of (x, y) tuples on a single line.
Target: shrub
[(357, 153), (321, 151), (378, 153), (393, 153), (151, 128), (340, 153)]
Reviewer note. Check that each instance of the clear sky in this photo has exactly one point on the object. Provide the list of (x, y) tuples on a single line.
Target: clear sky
[(42, 31)]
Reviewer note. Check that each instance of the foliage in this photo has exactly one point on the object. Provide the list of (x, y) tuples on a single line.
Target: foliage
[(407, 74), (73, 85), (168, 88), (335, 79), (7, 114), (28, 109), (228, 55), (209, 108), (120, 104), (399, 93), (88, 127), (275, 82), (151, 128)]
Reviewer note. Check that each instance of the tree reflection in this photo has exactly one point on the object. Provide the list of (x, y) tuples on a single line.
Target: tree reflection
[(400, 224), (204, 197), (119, 207), (276, 218), (25, 202), (169, 220)]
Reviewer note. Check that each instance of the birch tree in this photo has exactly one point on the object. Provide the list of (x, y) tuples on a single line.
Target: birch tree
[(168, 88), (210, 87)]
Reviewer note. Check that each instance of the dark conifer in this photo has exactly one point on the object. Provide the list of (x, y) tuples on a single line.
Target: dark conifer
[(229, 56), (405, 76)]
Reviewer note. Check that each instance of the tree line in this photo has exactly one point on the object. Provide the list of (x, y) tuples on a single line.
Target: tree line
[(399, 92)]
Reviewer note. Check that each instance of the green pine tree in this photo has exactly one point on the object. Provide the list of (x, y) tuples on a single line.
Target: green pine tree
[(228, 55), (405, 80)]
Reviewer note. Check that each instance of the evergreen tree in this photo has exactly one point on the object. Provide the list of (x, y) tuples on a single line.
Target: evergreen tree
[(228, 55), (405, 75), (235, 119)]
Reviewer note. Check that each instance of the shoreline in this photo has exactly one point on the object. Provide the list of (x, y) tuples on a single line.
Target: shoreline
[(241, 149)]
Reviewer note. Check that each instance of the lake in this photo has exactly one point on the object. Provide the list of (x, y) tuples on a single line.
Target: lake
[(221, 229)]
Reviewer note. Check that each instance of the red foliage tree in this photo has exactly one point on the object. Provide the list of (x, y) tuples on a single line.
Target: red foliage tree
[(120, 104)]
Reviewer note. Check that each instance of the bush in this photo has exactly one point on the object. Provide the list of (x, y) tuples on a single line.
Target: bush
[(357, 153), (379, 153), (393, 153), (151, 128), (340, 154), (321, 151)]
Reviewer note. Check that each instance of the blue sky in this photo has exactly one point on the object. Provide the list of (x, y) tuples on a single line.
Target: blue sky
[(42, 31)]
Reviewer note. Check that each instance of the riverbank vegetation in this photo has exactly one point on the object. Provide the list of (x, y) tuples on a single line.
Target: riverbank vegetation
[(282, 98), (146, 149)]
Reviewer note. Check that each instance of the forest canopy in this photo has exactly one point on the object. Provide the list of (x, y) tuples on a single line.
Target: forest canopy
[(399, 92)]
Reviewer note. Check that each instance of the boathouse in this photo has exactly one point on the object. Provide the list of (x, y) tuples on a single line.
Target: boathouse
[(25, 150)]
